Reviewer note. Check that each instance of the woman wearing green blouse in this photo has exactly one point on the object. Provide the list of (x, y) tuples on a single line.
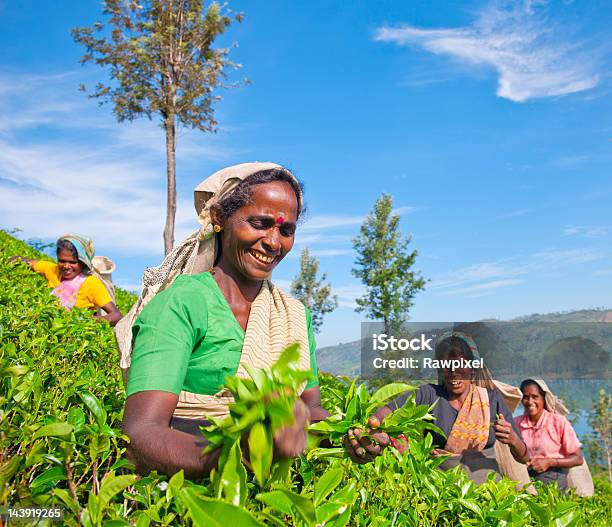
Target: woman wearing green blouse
[(219, 314)]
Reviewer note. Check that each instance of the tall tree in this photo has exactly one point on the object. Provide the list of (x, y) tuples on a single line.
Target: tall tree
[(384, 265), (161, 62), (312, 291), (599, 444)]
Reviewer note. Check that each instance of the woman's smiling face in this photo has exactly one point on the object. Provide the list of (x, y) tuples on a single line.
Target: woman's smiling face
[(68, 265), (459, 380), (533, 401), (259, 235)]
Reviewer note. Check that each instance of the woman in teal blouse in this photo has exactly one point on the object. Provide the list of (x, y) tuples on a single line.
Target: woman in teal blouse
[(208, 325)]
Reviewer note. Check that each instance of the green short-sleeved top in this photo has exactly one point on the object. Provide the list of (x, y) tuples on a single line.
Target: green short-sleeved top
[(187, 338)]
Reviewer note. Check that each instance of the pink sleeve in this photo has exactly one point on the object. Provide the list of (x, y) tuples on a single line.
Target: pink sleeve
[(569, 440)]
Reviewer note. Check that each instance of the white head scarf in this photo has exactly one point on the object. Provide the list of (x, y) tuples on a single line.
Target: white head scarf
[(197, 252)]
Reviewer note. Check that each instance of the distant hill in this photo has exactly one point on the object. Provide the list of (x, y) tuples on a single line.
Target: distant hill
[(583, 315), (345, 358)]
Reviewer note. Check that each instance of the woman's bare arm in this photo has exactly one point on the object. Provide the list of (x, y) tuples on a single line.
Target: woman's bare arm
[(542, 464), (113, 315), (504, 433), (23, 259), (156, 446)]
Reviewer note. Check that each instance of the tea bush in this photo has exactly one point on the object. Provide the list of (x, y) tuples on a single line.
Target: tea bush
[(61, 403)]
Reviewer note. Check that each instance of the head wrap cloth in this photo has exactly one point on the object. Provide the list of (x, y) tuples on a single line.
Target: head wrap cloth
[(276, 320), (551, 403), (84, 247), (86, 254), (214, 190), (482, 376)]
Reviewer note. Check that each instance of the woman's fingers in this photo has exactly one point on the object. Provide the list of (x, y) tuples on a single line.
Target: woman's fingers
[(382, 438), (503, 434), (351, 450), (356, 442), (502, 429), (360, 448), (375, 448), (539, 465)]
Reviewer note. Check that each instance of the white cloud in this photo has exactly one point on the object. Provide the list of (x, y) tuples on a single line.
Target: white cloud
[(425, 77), (348, 294), (65, 166), (531, 55), (568, 257), (487, 276), (330, 252), (117, 202), (587, 231), (321, 238), (330, 221), (146, 135), (515, 213), (132, 287), (406, 209), (338, 221), (296, 253), (571, 161), (486, 287), (477, 273)]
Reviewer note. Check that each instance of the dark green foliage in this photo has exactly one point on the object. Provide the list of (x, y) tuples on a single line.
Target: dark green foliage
[(161, 58), (162, 62), (384, 264), (312, 291), (61, 403), (352, 407), (599, 441)]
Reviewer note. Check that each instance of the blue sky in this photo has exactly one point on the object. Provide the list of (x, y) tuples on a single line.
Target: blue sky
[(489, 122)]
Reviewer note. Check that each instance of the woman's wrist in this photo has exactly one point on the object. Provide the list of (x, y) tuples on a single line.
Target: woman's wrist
[(519, 447)]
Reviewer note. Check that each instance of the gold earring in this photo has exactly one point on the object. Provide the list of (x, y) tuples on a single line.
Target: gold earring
[(217, 228)]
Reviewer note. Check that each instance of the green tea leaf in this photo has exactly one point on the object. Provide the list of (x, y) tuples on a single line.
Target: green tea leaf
[(175, 485), (233, 480), (260, 452), (326, 484), (289, 357), (277, 500), (94, 406), (76, 417), (53, 475), (285, 500), (113, 485), (61, 430), (207, 512), (68, 500), (387, 392), (8, 469)]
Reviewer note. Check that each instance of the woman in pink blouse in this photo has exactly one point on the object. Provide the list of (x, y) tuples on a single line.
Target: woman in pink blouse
[(551, 441)]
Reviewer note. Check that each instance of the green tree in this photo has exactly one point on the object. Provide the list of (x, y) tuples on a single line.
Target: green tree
[(384, 265), (161, 62), (599, 444), (312, 291)]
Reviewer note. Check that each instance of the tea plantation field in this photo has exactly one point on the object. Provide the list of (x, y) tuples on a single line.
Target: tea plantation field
[(61, 401)]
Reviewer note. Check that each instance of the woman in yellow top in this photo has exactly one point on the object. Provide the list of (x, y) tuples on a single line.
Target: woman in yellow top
[(71, 278)]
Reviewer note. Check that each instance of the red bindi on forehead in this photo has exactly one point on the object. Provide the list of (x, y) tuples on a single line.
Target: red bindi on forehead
[(280, 220)]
